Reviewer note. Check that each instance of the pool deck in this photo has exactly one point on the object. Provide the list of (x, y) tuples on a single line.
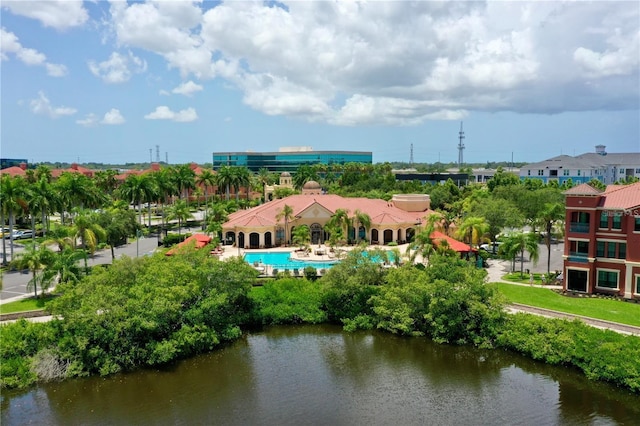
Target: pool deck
[(319, 253)]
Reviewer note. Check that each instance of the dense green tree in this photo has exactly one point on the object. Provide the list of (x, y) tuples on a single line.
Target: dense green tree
[(499, 214), (137, 189), (502, 178), (184, 179)]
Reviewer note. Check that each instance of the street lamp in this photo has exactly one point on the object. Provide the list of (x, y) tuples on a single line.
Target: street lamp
[(137, 242)]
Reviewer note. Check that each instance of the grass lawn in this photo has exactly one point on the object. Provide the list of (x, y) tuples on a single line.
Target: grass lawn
[(25, 305), (605, 309)]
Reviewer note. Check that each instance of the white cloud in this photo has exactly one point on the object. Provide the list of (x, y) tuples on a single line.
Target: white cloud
[(164, 113), (58, 14), (89, 120), (118, 68), (402, 63), (42, 106), (113, 117), (9, 44), (187, 89)]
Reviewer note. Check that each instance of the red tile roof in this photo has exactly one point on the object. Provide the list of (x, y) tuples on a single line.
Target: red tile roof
[(621, 197), (381, 212), (201, 240), (455, 245), (583, 189), (13, 171)]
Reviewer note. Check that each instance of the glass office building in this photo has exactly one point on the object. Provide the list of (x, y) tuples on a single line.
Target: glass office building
[(287, 161)]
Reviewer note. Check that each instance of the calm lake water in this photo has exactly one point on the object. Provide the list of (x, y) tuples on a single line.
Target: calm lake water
[(319, 375)]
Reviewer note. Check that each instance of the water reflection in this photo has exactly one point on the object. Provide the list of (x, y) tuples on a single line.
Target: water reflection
[(320, 375)]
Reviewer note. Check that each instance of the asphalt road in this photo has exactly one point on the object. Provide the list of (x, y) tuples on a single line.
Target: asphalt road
[(14, 284)]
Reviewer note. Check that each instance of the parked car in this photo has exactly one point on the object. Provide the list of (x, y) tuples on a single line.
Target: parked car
[(23, 235), (16, 235), (491, 247)]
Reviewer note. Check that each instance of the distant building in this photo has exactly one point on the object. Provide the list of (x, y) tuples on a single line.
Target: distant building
[(608, 168), (288, 159), (12, 162), (602, 243), (431, 178)]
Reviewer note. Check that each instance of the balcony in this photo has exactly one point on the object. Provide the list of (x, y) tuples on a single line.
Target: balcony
[(576, 256), (579, 227)]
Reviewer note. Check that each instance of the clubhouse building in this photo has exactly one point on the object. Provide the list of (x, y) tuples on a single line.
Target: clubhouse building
[(397, 220)]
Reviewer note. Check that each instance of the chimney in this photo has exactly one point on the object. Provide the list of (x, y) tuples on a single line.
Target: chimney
[(23, 166)]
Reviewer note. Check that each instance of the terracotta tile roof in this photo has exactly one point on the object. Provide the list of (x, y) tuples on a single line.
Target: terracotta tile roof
[(621, 196), (13, 171), (582, 189), (381, 212), (201, 240), (455, 245)]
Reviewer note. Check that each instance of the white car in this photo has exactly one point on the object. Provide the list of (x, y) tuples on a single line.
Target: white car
[(491, 247)]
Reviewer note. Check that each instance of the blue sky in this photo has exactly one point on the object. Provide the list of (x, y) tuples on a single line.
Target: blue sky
[(108, 81)]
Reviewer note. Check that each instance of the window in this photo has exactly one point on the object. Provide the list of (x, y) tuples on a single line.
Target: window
[(636, 227), (622, 250), (604, 220), (528, 172), (565, 172), (607, 279), (600, 249), (616, 223), (540, 172), (578, 172), (611, 249), (637, 284)]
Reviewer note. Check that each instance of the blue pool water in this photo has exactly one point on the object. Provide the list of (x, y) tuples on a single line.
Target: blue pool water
[(282, 260)]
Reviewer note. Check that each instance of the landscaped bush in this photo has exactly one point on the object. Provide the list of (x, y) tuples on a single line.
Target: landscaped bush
[(600, 354), (173, 239)]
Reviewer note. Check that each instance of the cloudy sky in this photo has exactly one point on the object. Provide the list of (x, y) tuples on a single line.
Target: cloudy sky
[(109, 81)]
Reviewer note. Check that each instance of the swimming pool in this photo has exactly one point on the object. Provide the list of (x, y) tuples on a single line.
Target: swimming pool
[(282, 260)]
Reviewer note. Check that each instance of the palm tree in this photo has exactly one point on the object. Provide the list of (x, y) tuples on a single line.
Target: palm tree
[(185, 179), (34, 258), (14, 202), (361, 219), (550, 214), (340, 220), (180, 211), (518, 243), (285, 213), (216, 216), (136, 189), (472, 229), (302, 236), (226, 179), (62, 236), (166, 188), (88, 230), (206, 179), (64, 265), (106, 180), (264, 178), (242, 178), (44, 198)]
